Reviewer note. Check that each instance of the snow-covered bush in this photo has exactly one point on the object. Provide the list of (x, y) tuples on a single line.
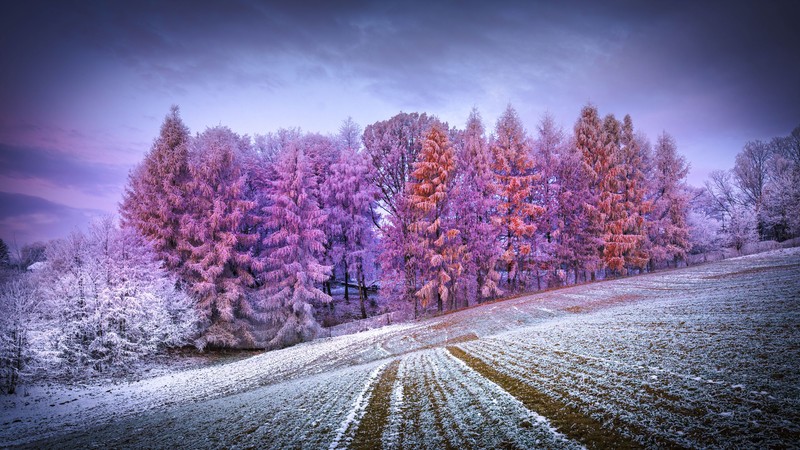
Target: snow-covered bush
[(18, 302), (110, 302)]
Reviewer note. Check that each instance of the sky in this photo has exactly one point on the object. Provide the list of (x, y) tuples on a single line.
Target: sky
[(84, 86)]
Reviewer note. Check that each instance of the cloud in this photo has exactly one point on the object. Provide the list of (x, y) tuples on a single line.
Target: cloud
[(60, 169), (25, 219)]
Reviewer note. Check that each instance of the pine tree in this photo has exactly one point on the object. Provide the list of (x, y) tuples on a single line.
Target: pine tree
[(547, 150), (610, 186), (513, 169), (217, 234), (474, 209), (155, 197), (668, 225), (631, 164), (596, 163), (430, 189), (295, 247)]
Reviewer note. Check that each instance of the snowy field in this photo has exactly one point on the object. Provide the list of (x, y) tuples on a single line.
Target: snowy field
[(706, 356)]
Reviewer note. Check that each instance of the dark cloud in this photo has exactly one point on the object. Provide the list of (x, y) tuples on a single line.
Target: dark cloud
[(62, 170), (25, 219)]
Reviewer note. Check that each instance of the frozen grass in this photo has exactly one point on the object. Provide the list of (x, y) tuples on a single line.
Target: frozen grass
[(701, 357)]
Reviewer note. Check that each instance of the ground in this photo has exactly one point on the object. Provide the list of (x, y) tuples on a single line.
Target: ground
[(705, 356)]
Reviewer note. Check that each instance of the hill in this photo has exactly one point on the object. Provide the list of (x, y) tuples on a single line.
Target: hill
[(704, 356)]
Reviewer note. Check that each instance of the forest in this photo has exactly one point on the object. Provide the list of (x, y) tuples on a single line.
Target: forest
[(231, 241)]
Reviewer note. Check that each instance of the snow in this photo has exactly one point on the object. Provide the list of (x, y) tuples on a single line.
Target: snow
[(699, 357)]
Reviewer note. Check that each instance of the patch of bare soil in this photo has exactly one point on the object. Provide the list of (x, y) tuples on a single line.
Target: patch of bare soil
[(376, 416)]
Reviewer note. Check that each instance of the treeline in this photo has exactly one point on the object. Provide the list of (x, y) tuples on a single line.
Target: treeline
[(252, 232), (444, 217)]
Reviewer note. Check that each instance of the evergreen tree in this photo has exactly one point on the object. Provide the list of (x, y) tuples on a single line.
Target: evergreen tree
[(392, 147), (430, 189), (474, 209), (631, 163), (513, 169), (218, 231), (596, 162), (668, 221), (296, 243), (155, 197)]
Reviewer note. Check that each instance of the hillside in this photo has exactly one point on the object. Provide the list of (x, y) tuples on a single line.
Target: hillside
[(704, 356)]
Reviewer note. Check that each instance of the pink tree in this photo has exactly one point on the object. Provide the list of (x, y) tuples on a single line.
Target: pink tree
[(596, 163), (474, 209), (295, 246), (430, 189), (217, 234), (392, 147), (154, 199), (546, 152), (514, 171)]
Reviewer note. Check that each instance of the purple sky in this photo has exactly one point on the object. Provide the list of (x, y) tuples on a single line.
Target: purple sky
[(84, 87)]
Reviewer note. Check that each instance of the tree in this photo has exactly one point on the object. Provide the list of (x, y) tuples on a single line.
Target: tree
[(295, 244), (474, 210), (612, 175), (668, 226), (514, 171), (218, 230), (547, 153), (392, 147), (18, 302), (110, 302), (350, 202), (781, 202), (433, 173), (596, 162), (155, 197), (5, 255), (751, 176), (631, 163)]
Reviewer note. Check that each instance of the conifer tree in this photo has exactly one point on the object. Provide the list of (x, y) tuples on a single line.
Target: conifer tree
[(513, 169), (155, 197), (668, 224), (392, 147), (295, 247), (217, 234), (596, 163), (633, 190), (474, 209), (430, 189)]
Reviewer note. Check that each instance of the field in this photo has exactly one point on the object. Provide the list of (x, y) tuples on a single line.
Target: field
[(707, 356)]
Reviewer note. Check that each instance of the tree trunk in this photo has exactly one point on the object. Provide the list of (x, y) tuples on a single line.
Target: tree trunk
[(439, 304), (479, 285), (346, 283), (362, 291)]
